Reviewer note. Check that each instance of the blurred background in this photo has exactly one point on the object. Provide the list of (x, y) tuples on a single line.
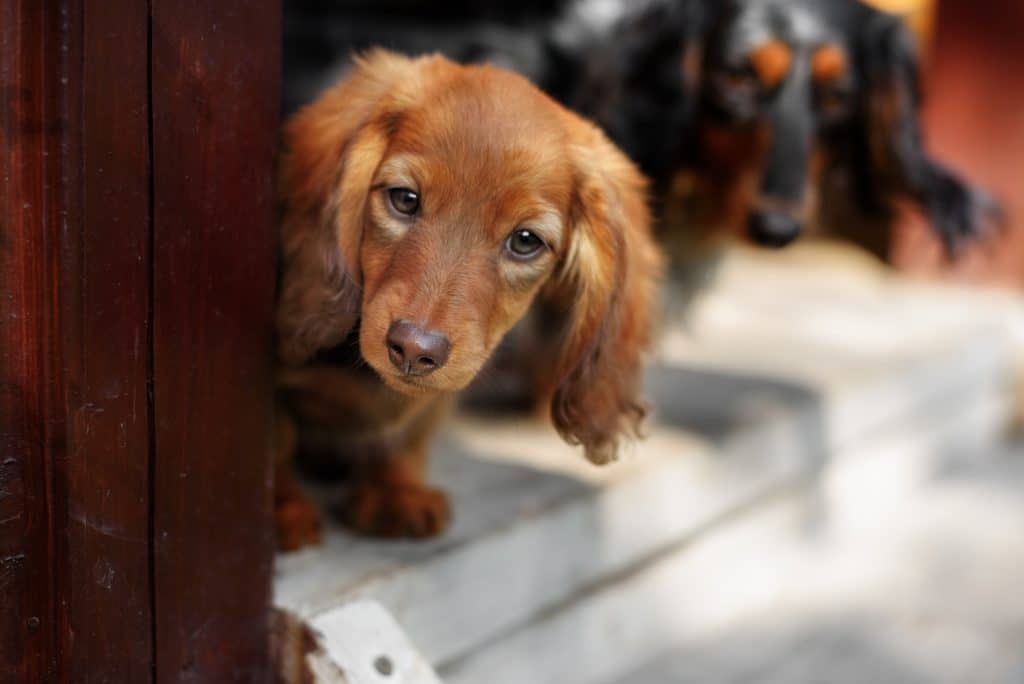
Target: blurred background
[(832, 489)]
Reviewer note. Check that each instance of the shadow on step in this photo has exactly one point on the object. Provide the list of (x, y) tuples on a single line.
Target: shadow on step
[(753, 421), (717, 405)]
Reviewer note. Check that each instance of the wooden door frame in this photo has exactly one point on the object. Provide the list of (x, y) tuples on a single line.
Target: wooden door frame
[(136, 283)]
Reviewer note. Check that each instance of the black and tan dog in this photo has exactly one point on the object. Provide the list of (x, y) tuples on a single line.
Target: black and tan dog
[(767, 117)]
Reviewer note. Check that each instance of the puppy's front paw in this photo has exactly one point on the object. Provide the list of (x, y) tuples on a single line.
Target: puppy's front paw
[(394, 510), (296, 523)]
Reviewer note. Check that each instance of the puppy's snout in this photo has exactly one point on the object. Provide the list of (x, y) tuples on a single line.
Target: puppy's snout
[(773, 228), (416, 351)]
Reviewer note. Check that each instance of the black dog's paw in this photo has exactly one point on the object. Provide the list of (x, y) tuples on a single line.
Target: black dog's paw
[(960, 214)]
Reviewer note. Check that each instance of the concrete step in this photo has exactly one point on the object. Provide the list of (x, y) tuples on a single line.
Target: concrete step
[(689, 592), (919, 584), (779, 374)]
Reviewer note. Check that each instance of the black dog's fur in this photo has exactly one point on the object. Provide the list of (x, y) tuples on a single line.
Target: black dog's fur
[(651, 81), (628, 77), (320, 36)]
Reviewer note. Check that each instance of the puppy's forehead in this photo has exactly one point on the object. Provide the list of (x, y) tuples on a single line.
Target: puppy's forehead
[(484, 128), (485, 110)]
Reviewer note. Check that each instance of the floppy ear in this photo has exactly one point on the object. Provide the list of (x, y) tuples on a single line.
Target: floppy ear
[(897, 163), (610, 278), (332, 150)]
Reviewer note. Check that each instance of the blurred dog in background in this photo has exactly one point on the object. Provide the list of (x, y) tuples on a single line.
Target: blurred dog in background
[(768, 117)]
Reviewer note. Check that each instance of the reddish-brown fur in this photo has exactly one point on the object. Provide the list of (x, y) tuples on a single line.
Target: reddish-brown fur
[(488, 153)]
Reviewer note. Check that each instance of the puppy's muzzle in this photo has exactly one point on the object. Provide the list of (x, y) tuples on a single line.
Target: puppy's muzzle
[(415, 351), (773, 228)]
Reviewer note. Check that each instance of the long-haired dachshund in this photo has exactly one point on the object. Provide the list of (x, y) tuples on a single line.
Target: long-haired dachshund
[(427, 206), (764, 116)]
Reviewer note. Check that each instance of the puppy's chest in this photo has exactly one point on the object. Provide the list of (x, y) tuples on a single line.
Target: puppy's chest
[(338, 392)]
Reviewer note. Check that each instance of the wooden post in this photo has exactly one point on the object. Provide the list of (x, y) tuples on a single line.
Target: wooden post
[(216, 92), (136, 280)]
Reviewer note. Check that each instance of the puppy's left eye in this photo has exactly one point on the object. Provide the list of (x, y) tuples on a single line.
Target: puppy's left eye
[(404, 200), (524, 244)]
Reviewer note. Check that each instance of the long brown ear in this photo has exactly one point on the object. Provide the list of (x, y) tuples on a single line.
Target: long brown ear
[(610, 276), (332, 150)]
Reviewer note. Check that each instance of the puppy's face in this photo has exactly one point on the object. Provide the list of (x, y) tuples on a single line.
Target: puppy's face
[(467, 215), (777, 82)]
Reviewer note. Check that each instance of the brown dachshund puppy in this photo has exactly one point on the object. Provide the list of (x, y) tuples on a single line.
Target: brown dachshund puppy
[(427, 206)]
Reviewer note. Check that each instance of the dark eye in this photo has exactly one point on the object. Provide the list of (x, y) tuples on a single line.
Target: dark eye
[(404, 200), (524, 244)]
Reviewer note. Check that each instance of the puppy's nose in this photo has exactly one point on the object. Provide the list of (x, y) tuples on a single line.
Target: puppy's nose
[(416, 351), (773, 229)]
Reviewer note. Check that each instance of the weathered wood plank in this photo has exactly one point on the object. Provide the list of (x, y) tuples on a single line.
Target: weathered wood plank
[(73, 347), (28, 632), (105, 267), (215, 92)]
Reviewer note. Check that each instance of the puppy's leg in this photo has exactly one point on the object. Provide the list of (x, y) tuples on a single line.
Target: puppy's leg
[(389, 496), (296, 517), (391, 500)]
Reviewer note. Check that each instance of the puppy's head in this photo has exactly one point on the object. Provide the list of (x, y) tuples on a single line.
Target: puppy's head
[(431, 203)]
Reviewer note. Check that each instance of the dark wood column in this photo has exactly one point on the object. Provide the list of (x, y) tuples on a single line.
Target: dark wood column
[(216, 93), (136, 284)]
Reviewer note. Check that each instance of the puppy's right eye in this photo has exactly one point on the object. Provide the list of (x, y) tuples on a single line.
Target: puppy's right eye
[(404, 200), (524, 244)]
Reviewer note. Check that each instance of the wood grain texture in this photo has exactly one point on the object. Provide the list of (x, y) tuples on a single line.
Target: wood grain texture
[(105, 286), (82, 535), (74, 550), (215, 94), (27, 618)]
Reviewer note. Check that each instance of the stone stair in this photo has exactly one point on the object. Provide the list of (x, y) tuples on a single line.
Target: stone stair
[(791, 378)]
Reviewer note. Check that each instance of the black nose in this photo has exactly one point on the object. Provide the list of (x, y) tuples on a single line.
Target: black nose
[(773, 229), (416, 351)]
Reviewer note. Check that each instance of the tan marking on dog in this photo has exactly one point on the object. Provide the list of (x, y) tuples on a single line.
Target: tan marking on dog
[(828, 64), (772, 61)]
